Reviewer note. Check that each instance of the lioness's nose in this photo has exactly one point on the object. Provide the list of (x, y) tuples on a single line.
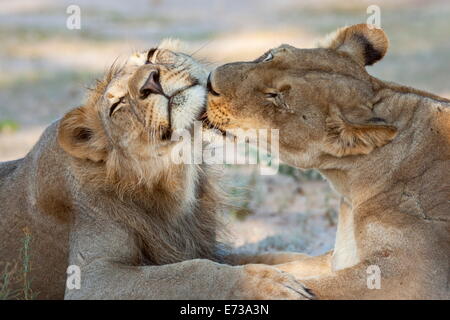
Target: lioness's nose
[(209, 86), (151, 85)]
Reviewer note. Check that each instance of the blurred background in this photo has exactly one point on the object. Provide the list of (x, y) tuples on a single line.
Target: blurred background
[(45, 68)]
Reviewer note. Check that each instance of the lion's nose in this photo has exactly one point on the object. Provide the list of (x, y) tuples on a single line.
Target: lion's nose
[(151, 85)]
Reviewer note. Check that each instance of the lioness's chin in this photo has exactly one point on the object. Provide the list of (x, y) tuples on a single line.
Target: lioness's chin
[(218, 116)]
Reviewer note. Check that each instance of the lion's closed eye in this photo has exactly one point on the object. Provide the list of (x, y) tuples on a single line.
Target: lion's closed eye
[(116, 106), (271, 95)]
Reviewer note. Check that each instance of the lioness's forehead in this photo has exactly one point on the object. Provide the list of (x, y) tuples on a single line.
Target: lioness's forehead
[(284, 48), (317, 59)]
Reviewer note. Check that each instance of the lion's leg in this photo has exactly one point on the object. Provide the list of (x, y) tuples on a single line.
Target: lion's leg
[(272, 258), (360, 282), (308, 266), (106, 254), (192, 279), (349, 283), (298, 264), (374, 278)]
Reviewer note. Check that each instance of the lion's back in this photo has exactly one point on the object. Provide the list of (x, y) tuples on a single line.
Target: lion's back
[(22, 221)]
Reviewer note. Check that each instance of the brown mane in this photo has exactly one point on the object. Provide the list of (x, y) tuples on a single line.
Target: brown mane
[(150, 205)]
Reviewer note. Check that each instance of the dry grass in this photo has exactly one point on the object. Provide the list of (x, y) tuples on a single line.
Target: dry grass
[(15, 281)]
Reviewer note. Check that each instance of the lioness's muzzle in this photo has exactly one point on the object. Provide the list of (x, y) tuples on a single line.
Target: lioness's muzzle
[(210, 87)]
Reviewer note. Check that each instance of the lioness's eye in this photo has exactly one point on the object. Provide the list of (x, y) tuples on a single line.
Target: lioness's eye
[(268, 57), (115, 106)]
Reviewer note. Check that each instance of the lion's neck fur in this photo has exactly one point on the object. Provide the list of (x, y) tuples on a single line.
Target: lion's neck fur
[(174, 216)]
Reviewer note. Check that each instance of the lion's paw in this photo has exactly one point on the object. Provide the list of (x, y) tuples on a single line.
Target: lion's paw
[(265, 282)]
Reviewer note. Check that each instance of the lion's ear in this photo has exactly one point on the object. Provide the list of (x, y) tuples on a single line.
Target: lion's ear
[(345, 138), (80, 134), (366, 44)]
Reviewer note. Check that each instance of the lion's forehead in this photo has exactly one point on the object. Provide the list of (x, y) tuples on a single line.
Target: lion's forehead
[(116, 90), (118, 85), (137, 59)]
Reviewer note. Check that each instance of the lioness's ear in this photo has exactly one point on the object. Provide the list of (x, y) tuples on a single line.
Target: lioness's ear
[(80, 135), (345, 138), (364, 43)]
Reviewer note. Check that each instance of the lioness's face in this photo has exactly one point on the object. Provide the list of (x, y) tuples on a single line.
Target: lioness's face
[(313, 96), (136, 108)]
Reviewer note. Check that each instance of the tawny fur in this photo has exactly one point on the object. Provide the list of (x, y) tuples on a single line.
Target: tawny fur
[(385, 148), (99, 191)]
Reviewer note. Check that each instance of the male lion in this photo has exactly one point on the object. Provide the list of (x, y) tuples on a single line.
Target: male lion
[(99, 191), (384, 147)]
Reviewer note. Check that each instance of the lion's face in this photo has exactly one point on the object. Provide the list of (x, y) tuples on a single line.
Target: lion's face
[(320, 99), (156, 92), (133, 111)]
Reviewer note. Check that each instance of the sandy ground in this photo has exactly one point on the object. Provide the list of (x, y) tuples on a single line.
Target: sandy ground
[(45, 69)]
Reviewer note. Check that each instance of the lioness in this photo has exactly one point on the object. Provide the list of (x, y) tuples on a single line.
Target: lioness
[(99, 191), (384, 147)]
